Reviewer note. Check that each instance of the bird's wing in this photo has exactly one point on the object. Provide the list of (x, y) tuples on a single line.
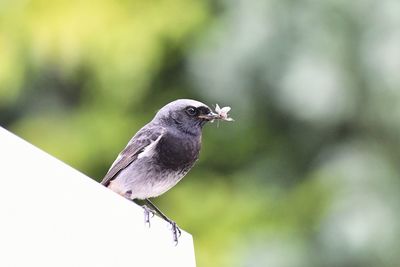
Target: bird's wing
[(142, 139)]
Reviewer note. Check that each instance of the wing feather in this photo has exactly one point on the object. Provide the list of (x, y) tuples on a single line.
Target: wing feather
[(136, 145)]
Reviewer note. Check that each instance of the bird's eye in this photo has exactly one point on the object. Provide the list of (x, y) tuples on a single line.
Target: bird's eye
[(191, 111)]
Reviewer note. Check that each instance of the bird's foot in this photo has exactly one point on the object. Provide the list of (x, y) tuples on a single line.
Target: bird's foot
[(176, 232), (148, 213)]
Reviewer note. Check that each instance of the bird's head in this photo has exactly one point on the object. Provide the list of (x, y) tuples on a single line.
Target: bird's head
[(186, 114)]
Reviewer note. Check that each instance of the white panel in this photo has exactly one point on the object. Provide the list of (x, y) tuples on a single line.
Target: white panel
[(53, 215)]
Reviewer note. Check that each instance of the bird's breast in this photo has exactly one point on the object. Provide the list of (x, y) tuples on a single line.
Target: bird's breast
[(178, 153)]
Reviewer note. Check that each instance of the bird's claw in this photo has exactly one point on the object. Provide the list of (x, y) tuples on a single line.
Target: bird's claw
[(176, 232), (148, 213)]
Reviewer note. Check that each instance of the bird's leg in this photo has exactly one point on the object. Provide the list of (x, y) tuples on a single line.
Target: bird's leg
[(176, 232), (148, 213)]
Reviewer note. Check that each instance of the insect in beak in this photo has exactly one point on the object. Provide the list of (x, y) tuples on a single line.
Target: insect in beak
[(210, 116)]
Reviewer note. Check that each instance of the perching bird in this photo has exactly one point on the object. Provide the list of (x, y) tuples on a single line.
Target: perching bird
[(160, 154)]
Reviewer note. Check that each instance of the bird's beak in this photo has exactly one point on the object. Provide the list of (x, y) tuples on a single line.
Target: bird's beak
[(209, 117)]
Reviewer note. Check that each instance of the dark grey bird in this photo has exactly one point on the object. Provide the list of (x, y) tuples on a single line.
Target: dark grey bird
[(160, 154)]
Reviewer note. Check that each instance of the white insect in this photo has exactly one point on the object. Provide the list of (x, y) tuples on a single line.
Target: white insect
[(223, 113)]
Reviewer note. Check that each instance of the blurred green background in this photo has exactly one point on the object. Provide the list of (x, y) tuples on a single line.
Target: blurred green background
[(307, 175)]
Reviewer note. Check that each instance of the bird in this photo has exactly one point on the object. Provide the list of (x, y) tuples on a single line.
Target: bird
[(160, 154)]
